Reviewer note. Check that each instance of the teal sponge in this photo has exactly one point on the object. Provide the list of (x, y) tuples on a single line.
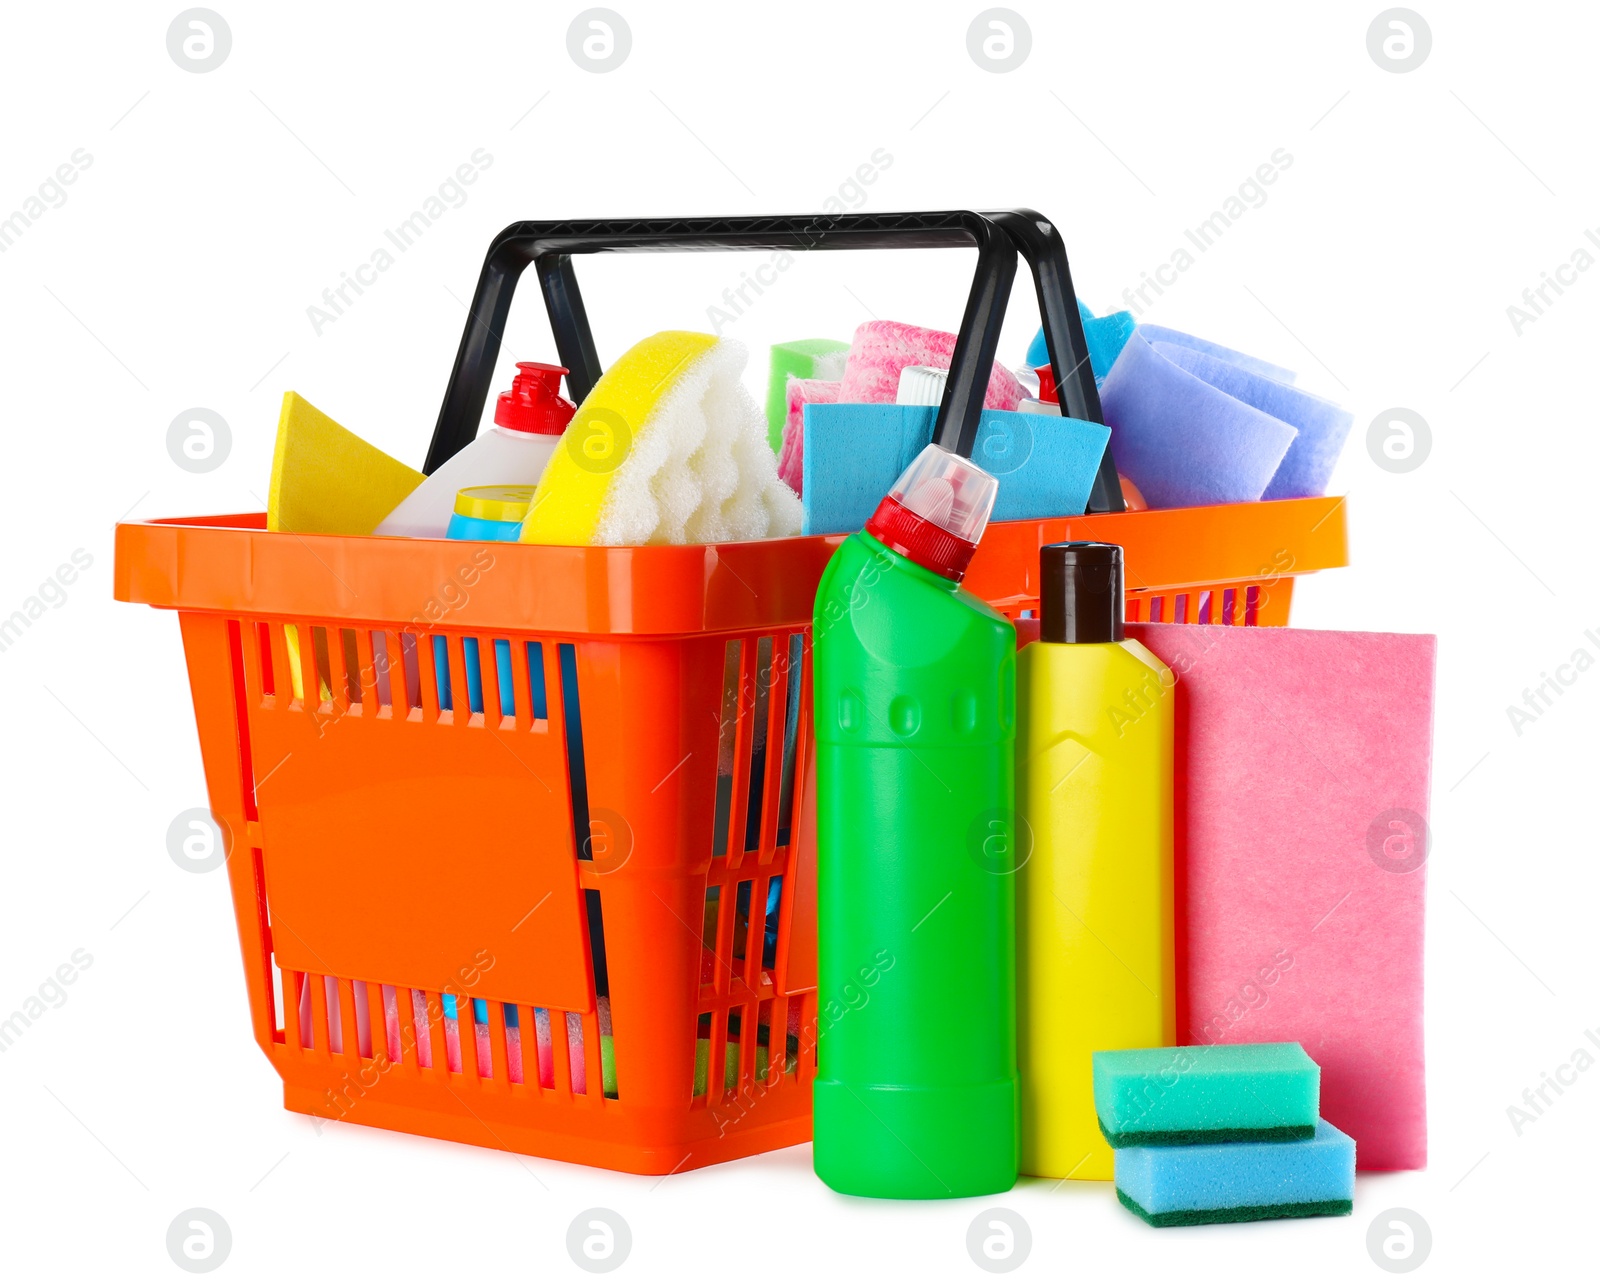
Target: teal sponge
[(1244, 1181), (1201, 1095)]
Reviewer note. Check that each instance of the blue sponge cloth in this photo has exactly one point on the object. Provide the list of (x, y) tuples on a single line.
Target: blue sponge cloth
[(1243, 1181), (1104, 335), (480, 1010), (854, 453), (1038, 352)]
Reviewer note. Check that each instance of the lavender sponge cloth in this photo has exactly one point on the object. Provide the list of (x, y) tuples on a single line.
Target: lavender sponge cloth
[(1183, 442), (1254, 364), (1322, 426)]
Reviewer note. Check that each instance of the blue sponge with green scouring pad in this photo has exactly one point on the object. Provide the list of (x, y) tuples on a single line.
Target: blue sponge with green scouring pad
[(1243, 1181)]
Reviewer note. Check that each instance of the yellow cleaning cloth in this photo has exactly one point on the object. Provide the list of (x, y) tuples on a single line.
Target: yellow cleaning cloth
[(668, 448), (328, 481)]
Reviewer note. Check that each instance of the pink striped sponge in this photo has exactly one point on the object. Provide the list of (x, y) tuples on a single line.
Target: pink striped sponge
[(800, 393), (881, 349)]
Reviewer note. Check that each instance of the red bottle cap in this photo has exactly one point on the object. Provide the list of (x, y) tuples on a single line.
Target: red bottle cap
[(935, 514), (1047, 383), (535, 403), (900, 530)]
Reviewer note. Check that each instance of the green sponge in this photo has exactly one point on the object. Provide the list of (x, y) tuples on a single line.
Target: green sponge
[(1205, 1095), (1232, 1215), (730, 1080), (802, 359)]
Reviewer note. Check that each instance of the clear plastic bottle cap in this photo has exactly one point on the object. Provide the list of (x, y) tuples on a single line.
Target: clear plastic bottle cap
[(936, 513), (952, 492)]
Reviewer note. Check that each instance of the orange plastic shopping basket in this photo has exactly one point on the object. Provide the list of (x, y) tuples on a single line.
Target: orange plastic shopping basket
[(581, 927)]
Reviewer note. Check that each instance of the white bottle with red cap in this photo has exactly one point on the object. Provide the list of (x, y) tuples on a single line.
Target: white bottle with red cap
[(528, 423)]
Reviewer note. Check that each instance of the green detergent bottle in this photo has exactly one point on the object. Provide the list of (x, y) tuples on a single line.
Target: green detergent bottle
[(915, 708)]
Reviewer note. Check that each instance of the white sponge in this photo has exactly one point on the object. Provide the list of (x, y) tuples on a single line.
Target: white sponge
[(700, 469)]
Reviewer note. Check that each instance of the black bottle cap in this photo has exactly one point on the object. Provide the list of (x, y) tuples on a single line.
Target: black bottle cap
[(1080, 592)]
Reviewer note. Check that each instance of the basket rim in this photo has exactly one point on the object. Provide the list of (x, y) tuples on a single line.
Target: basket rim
[(231, 564)]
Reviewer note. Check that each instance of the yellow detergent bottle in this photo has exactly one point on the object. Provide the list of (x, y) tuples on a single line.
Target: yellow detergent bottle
[(1094, 909)]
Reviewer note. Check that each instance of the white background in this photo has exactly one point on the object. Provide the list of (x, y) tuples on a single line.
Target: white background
[(219, 206)]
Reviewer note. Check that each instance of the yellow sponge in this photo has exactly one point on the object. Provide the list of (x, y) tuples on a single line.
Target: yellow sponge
[(328, 481), (668, 447), (602, 435)]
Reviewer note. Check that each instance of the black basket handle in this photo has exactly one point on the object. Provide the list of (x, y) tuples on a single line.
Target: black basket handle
[(1041, 244), (551, 245)]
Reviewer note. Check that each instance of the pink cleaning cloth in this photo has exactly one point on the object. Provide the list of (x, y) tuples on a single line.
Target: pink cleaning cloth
[(424, 1037), (575, 1058), (424, 1051), (391, 1023), (802, 392), (1301, 787), (485, 1051), (881, 349), (514, 1053)]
